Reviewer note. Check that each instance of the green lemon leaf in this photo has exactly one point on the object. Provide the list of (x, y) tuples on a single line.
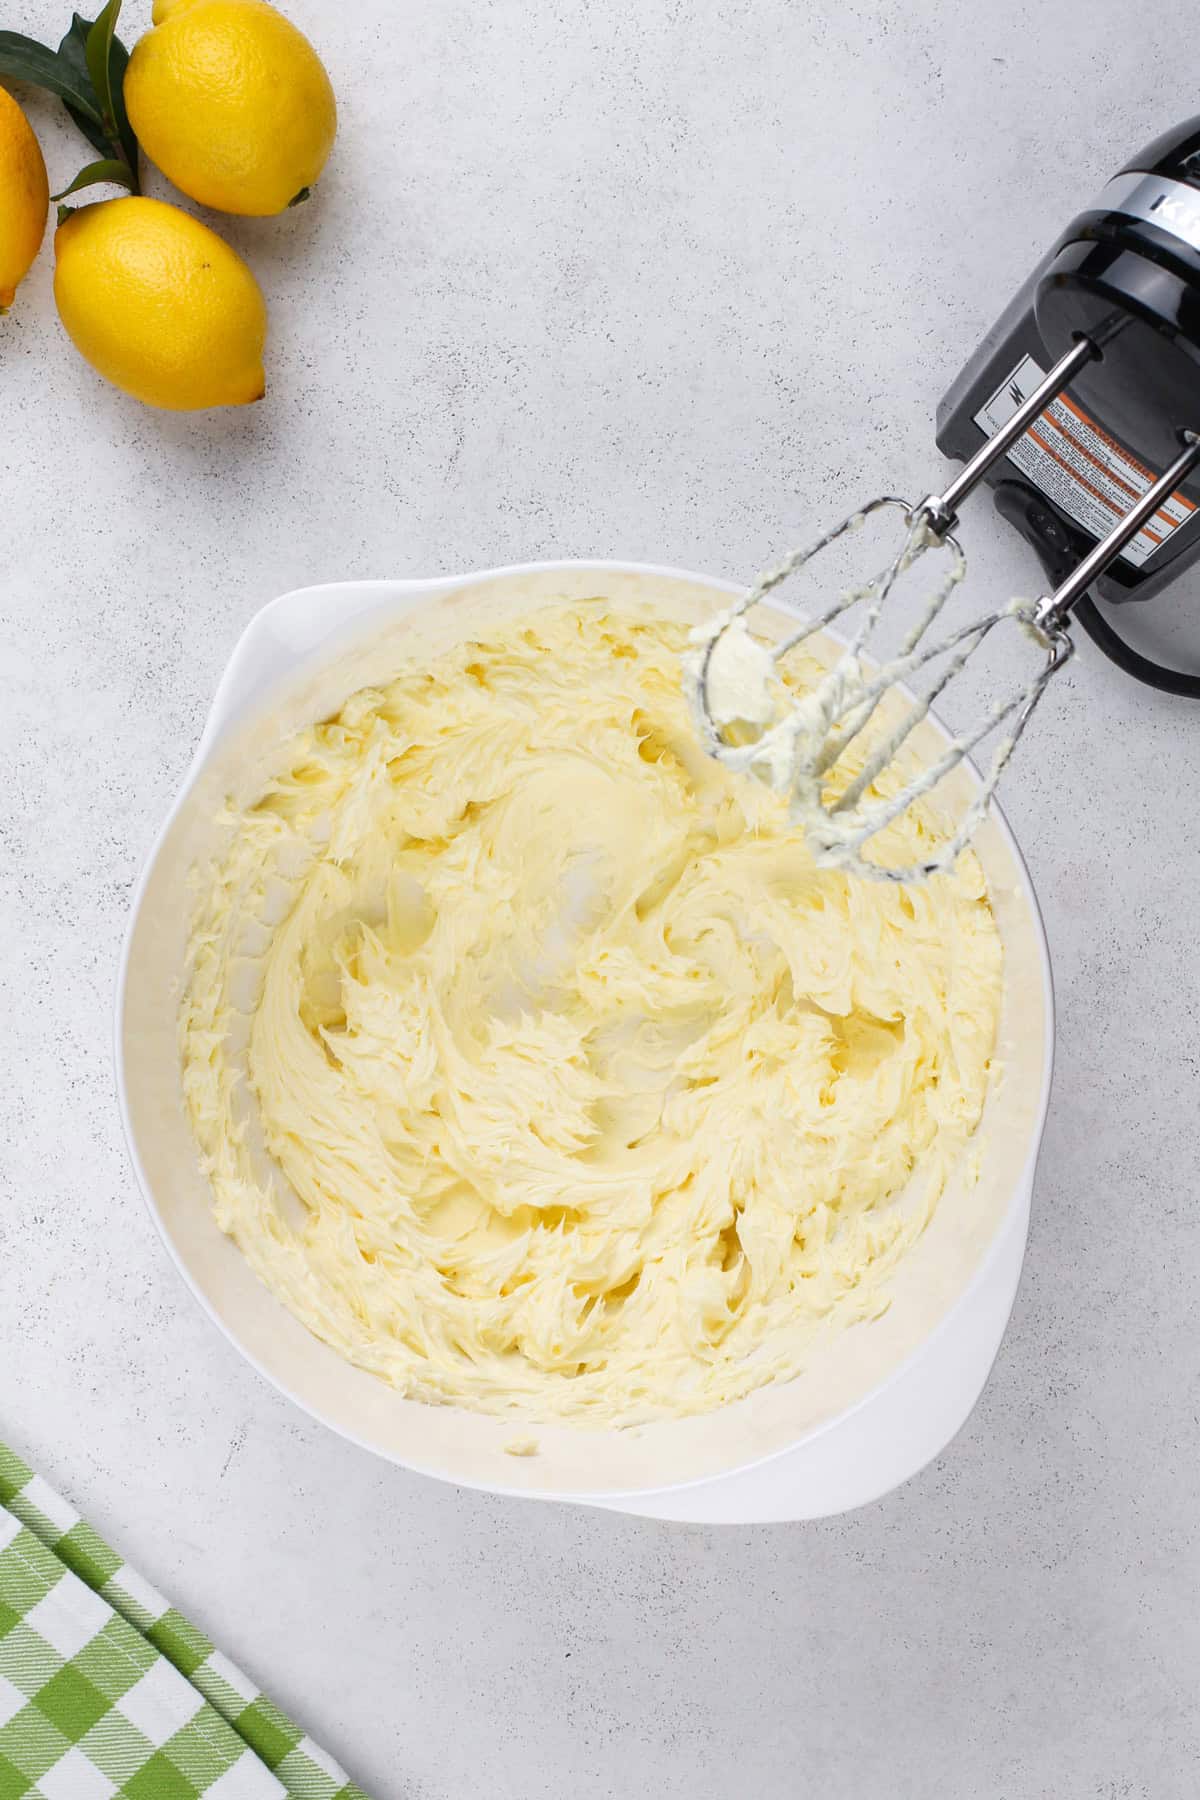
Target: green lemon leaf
[(21, 59), (87, 72), (96, 48), (73, 54), (118, 61), (108, 169), (98, 61)]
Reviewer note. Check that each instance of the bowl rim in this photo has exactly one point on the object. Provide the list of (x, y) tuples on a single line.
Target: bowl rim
[(210, 736)]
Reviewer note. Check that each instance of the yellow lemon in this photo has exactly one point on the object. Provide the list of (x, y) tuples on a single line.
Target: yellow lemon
[(24, 197), (160, 305), (232, 103)]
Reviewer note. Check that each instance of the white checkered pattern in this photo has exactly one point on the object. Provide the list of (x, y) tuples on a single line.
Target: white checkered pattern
[(161, 1703), (75, 1778), (68, 1617)]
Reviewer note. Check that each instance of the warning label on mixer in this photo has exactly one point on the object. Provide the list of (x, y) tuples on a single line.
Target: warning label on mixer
[(1081, 468)]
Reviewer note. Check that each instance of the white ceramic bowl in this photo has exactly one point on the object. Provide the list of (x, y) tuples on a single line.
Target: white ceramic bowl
[(872, 1407)]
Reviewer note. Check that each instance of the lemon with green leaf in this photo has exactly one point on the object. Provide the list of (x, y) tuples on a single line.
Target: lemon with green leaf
[(24, 197), (160, 305), (232, 103)]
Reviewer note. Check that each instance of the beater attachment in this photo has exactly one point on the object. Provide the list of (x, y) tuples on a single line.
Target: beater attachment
[(749, 721)]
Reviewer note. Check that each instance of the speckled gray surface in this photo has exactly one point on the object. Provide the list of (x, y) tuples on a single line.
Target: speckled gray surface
[(652, 281)]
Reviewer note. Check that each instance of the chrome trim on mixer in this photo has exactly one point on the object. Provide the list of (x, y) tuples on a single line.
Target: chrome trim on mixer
[(1171, 205)]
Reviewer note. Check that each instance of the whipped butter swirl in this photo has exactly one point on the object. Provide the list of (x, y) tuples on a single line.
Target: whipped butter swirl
[(534, 1064)]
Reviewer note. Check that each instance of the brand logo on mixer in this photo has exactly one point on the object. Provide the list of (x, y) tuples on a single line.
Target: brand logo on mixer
[(1177, 209), (1173, 206)]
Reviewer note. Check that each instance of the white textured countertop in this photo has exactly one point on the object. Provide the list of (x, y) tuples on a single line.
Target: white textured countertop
[(660, 281)]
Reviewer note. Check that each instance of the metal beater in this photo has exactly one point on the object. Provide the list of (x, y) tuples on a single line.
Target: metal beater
[(801, 748)]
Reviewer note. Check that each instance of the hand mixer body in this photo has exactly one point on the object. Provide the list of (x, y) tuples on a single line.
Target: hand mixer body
[(1126, 274), (1081, 408)]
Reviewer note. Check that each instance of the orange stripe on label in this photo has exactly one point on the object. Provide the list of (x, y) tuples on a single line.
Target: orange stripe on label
[(1089, 456), (1167, 523), (1118, 449), (1073, 472), (1121, 451)]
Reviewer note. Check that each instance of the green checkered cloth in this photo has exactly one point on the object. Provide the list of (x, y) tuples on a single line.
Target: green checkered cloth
[(106, 1691)]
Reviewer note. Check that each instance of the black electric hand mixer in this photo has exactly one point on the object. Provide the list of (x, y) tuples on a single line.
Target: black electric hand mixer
[(1081, 408)]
